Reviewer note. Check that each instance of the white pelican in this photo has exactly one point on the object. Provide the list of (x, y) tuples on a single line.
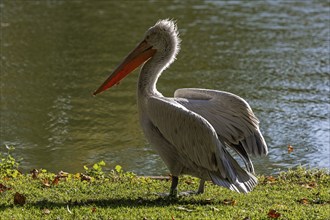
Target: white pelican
[(192, 131)]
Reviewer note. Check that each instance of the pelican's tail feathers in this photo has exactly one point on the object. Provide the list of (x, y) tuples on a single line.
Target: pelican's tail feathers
[(237, 185), (231, 175)]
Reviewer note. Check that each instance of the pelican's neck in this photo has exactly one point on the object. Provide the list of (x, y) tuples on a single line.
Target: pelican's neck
[(148, 77), (165, 40)]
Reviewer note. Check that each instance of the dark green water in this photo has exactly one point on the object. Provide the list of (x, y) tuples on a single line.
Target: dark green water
[(54, 54)]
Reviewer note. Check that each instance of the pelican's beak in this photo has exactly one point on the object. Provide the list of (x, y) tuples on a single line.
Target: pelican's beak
[(138, 56)]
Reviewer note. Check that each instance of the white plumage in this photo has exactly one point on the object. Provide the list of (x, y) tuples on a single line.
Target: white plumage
[(192, 131)]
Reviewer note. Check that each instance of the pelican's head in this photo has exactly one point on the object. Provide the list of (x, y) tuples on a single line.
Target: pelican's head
[(160, 40), (164, 38)]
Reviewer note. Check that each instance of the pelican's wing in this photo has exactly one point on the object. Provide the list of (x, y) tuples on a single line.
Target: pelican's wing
[(196, 142), (231, 117)]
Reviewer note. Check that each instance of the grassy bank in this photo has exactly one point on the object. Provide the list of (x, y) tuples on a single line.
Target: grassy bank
[(94, 194), (298, 194)]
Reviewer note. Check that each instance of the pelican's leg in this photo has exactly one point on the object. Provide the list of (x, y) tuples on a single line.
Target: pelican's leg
[(174, 189), (201, 187), (174, 186)]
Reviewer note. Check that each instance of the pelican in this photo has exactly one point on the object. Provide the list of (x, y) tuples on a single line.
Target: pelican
[(193, 131)]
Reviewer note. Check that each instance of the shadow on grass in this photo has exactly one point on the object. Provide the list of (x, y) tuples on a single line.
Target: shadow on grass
[(113, 203)]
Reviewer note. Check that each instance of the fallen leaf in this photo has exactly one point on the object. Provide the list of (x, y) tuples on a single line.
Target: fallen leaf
[(46, 183), (214, 209), (310, 185), (173, 217), (184, 209), (304, 201), (273, 214), (19, 199), (290, 149), (94, 209), (85, 177), (270, 179), (55, 181), (62, 174), (229, 202), (188, 182), (34, 173), (4, 188), (46, 211)]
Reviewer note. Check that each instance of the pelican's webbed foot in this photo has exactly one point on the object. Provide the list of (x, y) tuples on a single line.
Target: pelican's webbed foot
[(174, 189), (199, 191)]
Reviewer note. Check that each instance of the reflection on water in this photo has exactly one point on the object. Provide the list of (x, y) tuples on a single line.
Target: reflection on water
[(55, 53)]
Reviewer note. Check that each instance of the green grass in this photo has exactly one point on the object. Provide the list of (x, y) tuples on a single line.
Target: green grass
[(296, 194)]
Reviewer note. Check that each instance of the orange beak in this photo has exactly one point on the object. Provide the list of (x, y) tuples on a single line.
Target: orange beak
[(138, 56)]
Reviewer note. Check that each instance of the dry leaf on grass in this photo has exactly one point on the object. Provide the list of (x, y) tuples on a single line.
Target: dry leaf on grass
[(62, 174), (55, 180), (45, 183), (214, 209), (304, 201), (271, 179), (34, 173), (46, 211), (188, 182), (184, 209), (273, 214), (310, 185), (229, 202), (19, 199), (85, 177), (4, 188)]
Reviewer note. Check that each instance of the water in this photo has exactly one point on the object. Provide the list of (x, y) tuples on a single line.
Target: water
[(54, 54)]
